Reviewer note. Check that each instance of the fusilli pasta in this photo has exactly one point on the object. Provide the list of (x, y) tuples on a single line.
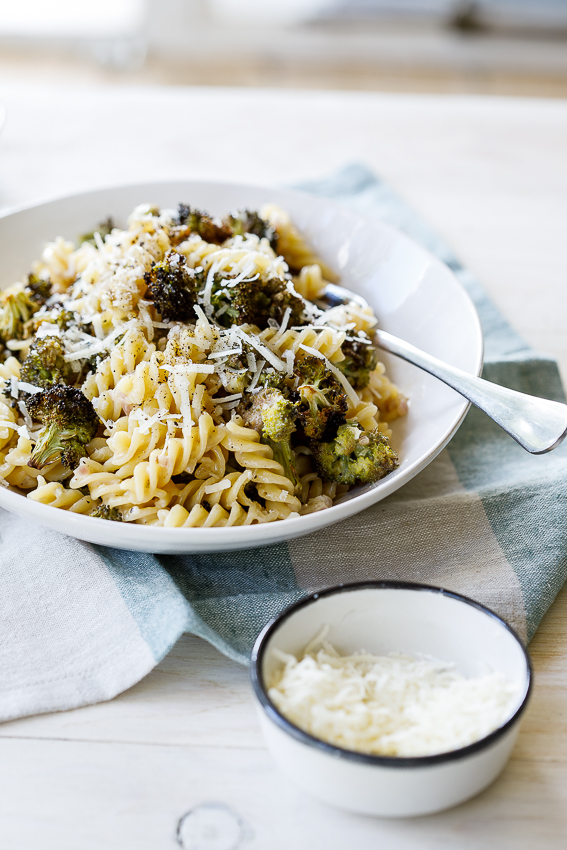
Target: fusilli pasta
[(218, 393)]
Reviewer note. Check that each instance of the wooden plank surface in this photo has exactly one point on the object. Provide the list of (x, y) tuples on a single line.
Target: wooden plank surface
[(491, 175)]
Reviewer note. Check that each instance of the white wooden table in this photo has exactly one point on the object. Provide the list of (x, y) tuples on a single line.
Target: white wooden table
[(491, 176)]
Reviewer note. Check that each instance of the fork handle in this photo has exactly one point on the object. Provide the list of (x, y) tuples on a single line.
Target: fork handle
[(537, 424)]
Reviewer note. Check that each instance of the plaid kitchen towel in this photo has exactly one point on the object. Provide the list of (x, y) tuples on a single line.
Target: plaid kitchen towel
[(81, 623)]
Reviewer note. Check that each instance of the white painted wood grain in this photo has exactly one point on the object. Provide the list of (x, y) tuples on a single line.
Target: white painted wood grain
[(491, 175), (117, 796)]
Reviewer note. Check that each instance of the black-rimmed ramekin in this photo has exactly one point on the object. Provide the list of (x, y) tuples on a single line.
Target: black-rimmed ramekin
[(382, 617)]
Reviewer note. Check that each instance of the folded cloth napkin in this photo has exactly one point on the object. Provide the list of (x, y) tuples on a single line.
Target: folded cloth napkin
[(81, 623)]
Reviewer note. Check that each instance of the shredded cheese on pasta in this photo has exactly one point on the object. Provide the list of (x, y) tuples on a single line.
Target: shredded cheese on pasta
[(173, 448)]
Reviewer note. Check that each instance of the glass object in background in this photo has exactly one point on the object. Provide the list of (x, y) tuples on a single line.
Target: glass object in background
[(269, 12), (525, 15), (112, 30)]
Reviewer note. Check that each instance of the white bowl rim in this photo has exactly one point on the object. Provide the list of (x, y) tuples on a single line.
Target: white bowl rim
[(256, 676), (239, 536)]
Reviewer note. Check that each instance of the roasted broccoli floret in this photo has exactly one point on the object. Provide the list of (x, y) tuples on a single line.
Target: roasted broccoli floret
[(70, 423), (272, 378), (322, 400), (58, 316), (16, 308), (38, 289), (270, 413), (354, 456), (104, 228), (104, 512), (190, 220), (246, 221), (360, 360), (18, 305), (254, 302), (64, 319), (6, 392), (273, 415), (173, 287), (45, 365), (234, 374)]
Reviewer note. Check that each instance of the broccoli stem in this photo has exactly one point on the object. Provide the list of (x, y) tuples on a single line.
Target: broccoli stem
[(284, 455), (53, 444), (47, 447)]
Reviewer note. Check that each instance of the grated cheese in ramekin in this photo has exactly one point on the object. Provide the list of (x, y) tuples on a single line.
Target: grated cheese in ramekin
[(395, 705)]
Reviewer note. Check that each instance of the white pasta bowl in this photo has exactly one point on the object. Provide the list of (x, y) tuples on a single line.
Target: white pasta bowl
[(414, 295), (385, 617)]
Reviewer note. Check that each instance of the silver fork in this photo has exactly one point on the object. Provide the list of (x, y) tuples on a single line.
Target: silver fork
[(537, 424)]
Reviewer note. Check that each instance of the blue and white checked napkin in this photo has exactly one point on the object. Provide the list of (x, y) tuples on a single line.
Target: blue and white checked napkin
[(81, 623)]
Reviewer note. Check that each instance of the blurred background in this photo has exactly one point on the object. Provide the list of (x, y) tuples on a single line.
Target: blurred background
[(516, 47)]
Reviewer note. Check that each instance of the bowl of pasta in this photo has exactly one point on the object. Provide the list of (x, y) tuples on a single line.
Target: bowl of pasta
[(171, 383)]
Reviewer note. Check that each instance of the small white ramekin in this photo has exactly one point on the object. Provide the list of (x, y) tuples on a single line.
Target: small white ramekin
[(382, 617)]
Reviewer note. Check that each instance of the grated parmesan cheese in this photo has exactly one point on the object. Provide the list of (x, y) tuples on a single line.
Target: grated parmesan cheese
[(96, 322), (395, 705), (206, 324), (146, 318), (207, 291), (47, 329), (255, 379), (243, 276), (28, 388), (251, 361), (27, 418), (21, 430), (17, 385), (283, 326), (354, 399), (289, 357), (181, 382), (101, 345), (226, 352), (201, 368), (227, 398), (252, 340)]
